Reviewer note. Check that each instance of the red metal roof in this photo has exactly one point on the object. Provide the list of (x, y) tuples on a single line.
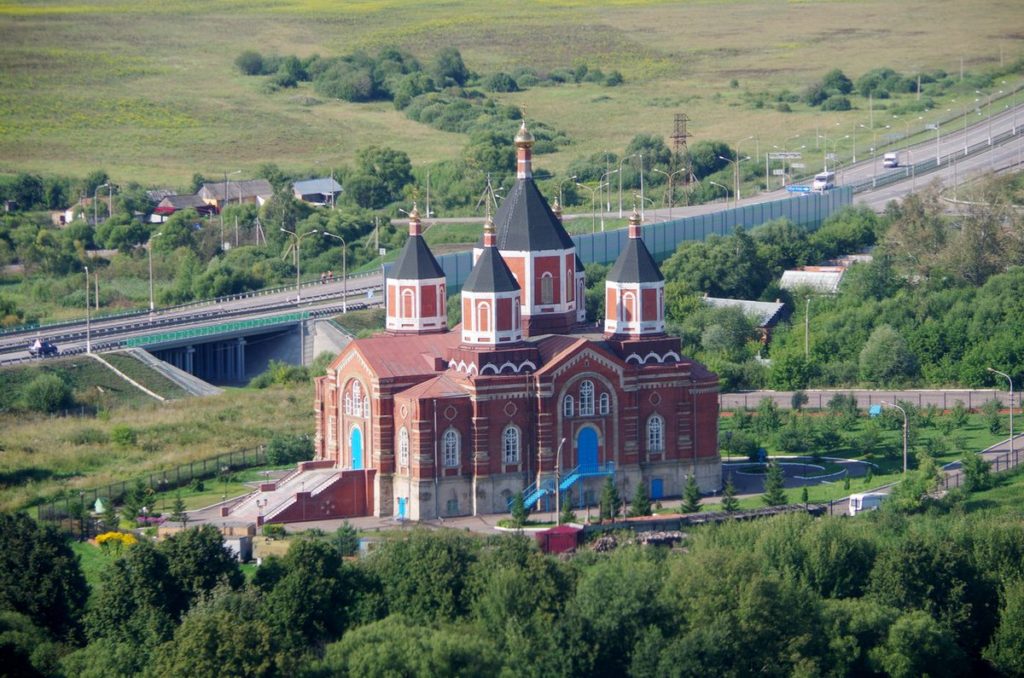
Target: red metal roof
[(408, 355)]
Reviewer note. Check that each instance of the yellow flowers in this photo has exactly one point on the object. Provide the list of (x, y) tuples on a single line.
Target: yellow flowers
[(114, 543)]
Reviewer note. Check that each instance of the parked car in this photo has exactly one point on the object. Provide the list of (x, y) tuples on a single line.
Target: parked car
[(41, 348)]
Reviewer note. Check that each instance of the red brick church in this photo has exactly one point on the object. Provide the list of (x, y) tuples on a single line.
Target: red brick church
[(525, 395)]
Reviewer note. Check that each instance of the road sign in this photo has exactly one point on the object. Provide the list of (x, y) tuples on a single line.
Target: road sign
[(778, 172), (798, 165), (875, 410), (798, 188), (785, 155), (381, 251)]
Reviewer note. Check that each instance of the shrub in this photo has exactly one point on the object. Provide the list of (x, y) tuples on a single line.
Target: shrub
[(274, 531), (47, 393), (501, 82), (88, 436), (836, 102), (286, 449), (123, 435), (249, 63), (614, 79)]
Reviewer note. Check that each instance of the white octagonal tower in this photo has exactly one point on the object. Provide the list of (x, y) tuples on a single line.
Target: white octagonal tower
[(634, 291), (416, 287)]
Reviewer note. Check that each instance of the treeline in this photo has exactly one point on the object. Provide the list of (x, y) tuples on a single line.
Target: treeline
[(938, 305), (896, 594)]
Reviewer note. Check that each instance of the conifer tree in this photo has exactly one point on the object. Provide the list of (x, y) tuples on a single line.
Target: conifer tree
[(519, 511), (179, 515), (641, 503), (610, 501), (805, 498), (691, 496), (729, 501), (773, 484), (567, 515)]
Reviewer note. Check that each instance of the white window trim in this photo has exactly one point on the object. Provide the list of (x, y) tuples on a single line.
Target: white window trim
[(511, 442), (451, 445)]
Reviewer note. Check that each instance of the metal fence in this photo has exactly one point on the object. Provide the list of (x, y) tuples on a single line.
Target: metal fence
[(805, 209), (71, 510)]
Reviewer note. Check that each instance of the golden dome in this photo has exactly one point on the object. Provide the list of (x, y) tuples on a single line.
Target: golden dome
[(523, 137), (414, 215), (634, 218)]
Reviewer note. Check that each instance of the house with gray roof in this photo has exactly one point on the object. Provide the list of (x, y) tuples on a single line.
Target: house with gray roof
[(322, 191)]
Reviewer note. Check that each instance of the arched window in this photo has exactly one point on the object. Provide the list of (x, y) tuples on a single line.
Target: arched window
[(547, 289), (451, 448), (408, 306), (604, 404), (348, 404), (510, 445), (567, 406), (366, 405), (587, 399), (483, 318), (403, 447), (655, 434)]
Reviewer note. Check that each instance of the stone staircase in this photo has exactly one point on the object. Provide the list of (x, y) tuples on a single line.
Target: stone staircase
[(273, 497)]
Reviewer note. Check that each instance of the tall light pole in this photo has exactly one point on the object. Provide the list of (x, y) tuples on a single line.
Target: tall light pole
[(736, 176), (149, 250), (725, 189), (608, 185), (1013, 452), (669, 176), (593, 205), (88, 324), (225, 203), (344, 270), (807, 329), (95, 192), (905, 429), (620, 180), (298, 259), (558, 482)]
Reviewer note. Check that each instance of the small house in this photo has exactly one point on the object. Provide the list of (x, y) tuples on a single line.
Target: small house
[(317, 191)]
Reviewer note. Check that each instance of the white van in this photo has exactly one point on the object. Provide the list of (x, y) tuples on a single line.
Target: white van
[(824, 181), (868, 501), (891, 160)]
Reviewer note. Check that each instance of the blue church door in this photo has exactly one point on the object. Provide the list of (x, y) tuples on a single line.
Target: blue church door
[(586, 449), (356, 445), (401, 508)]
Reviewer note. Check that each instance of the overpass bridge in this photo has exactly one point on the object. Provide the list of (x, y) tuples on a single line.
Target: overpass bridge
[(230, 339)]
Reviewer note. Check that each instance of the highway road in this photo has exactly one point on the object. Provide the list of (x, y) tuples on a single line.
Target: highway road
[(317, 298)]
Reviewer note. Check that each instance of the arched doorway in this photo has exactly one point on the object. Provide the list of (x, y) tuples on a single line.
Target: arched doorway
[(356, 446), (586, 449)]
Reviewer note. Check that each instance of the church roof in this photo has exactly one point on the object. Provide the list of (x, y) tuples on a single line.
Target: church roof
[(444, 385), (525, 222), (490, 274), (405, 356), (416, 261), (635, 265)]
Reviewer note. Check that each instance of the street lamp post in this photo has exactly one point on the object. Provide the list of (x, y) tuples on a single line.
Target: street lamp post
[(725, 189), (1013, 452), (905, 430), (558, 482), (298, 260), (88, 326), (623, 160), (149, 250), (344, 271), (669, 176), (607, 185), (593, 205), (736, 176)]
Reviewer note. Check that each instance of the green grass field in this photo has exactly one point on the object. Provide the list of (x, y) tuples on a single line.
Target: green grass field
[(144, 375), (43, 455), (148, 90)]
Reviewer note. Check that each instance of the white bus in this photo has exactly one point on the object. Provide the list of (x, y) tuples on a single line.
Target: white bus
[(868, 501), (824, 181)]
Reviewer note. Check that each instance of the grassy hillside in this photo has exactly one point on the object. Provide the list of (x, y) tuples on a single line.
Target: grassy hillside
[(148, 89), (42, 455)]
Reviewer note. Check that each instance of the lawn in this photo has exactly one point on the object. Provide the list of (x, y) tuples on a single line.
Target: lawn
[(366, 320), (1007, 497), (138, 87), (95, 386)]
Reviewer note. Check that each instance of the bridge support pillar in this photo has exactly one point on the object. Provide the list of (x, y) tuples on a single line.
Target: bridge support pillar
[(240, 360), (190, 352)]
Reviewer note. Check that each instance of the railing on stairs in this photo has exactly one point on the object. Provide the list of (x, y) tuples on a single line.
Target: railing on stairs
[(535, 492)]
